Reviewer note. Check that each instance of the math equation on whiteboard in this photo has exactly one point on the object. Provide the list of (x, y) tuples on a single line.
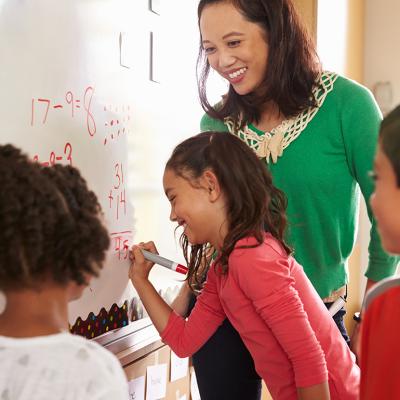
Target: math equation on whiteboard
[(117, 117), (75, 106)]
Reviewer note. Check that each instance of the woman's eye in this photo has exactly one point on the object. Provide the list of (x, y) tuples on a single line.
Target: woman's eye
[(209, 50), (233, 43)]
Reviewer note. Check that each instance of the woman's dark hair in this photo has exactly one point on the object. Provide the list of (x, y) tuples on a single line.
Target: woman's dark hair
[(292, 69), (254, 205), (389, 138), (49, 224)]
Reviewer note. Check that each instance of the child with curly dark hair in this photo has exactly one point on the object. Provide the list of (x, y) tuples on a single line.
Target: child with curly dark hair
[(253, 281), (52, 242)]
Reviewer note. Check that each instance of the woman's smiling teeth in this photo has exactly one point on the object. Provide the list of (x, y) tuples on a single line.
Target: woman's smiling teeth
[(237, 73)]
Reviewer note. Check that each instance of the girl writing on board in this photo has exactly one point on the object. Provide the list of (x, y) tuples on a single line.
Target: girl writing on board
[(52, 242), (254, 281)]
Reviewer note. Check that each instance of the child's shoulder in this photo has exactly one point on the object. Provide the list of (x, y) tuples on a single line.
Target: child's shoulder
[(385, 295), (246, 249), (95, 354), (270, 245), (261, 264), (61, 347), (105, 370), (66, 362)]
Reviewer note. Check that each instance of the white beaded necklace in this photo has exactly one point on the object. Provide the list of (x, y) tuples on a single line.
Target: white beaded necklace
[(274, 142)]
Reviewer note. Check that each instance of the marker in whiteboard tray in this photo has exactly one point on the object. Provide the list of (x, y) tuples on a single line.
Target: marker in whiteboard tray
[(155, 258)]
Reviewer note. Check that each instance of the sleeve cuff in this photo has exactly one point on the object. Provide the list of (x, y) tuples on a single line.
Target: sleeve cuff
[(379, 271), (312, 380)]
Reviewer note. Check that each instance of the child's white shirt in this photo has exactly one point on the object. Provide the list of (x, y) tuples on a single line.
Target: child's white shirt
[(59, 367)]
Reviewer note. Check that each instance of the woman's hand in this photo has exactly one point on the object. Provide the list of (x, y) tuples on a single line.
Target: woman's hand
[(140, 267)]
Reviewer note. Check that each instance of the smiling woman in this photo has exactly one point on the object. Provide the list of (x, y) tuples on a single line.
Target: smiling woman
[(241, 42), (237, 54)]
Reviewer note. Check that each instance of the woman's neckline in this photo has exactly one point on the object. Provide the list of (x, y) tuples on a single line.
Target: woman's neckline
[(261, 132)]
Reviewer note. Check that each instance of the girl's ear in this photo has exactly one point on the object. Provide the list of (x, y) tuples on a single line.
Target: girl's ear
[(211, 184)]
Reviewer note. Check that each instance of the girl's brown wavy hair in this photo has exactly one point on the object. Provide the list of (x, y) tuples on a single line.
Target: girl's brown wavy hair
[(254, 205)]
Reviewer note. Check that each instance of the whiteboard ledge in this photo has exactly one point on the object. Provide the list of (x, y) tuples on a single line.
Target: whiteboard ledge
[(131, 342)]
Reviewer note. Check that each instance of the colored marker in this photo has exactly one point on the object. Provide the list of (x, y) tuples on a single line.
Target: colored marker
[(155, 258)]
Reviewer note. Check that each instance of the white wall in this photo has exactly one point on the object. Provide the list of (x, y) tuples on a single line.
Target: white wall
[(382, 49), (170, 113), (332, 48)]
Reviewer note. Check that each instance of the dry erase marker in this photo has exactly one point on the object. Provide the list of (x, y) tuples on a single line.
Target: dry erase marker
[(164, 262)]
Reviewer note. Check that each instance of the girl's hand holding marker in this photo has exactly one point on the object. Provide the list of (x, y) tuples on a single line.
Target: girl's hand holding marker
[(140, 267), (159, 311), (147, 251)]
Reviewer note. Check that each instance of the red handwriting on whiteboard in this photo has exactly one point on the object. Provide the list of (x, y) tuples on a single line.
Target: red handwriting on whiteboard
[(121, 242), (64, 157), (41, 107), (116, 197), (116, 126), (87, 102)]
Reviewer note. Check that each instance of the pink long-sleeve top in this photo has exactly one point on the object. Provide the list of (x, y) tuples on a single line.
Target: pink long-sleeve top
[(280, 318)]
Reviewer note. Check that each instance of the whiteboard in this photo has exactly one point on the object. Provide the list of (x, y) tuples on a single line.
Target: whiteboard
[(79, 86), (61, 102)]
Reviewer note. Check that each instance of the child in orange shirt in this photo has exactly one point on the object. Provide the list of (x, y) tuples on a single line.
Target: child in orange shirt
[(380, 344)]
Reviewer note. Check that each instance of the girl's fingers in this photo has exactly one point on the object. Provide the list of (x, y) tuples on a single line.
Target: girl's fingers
[(136, 255), (149, 246)]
